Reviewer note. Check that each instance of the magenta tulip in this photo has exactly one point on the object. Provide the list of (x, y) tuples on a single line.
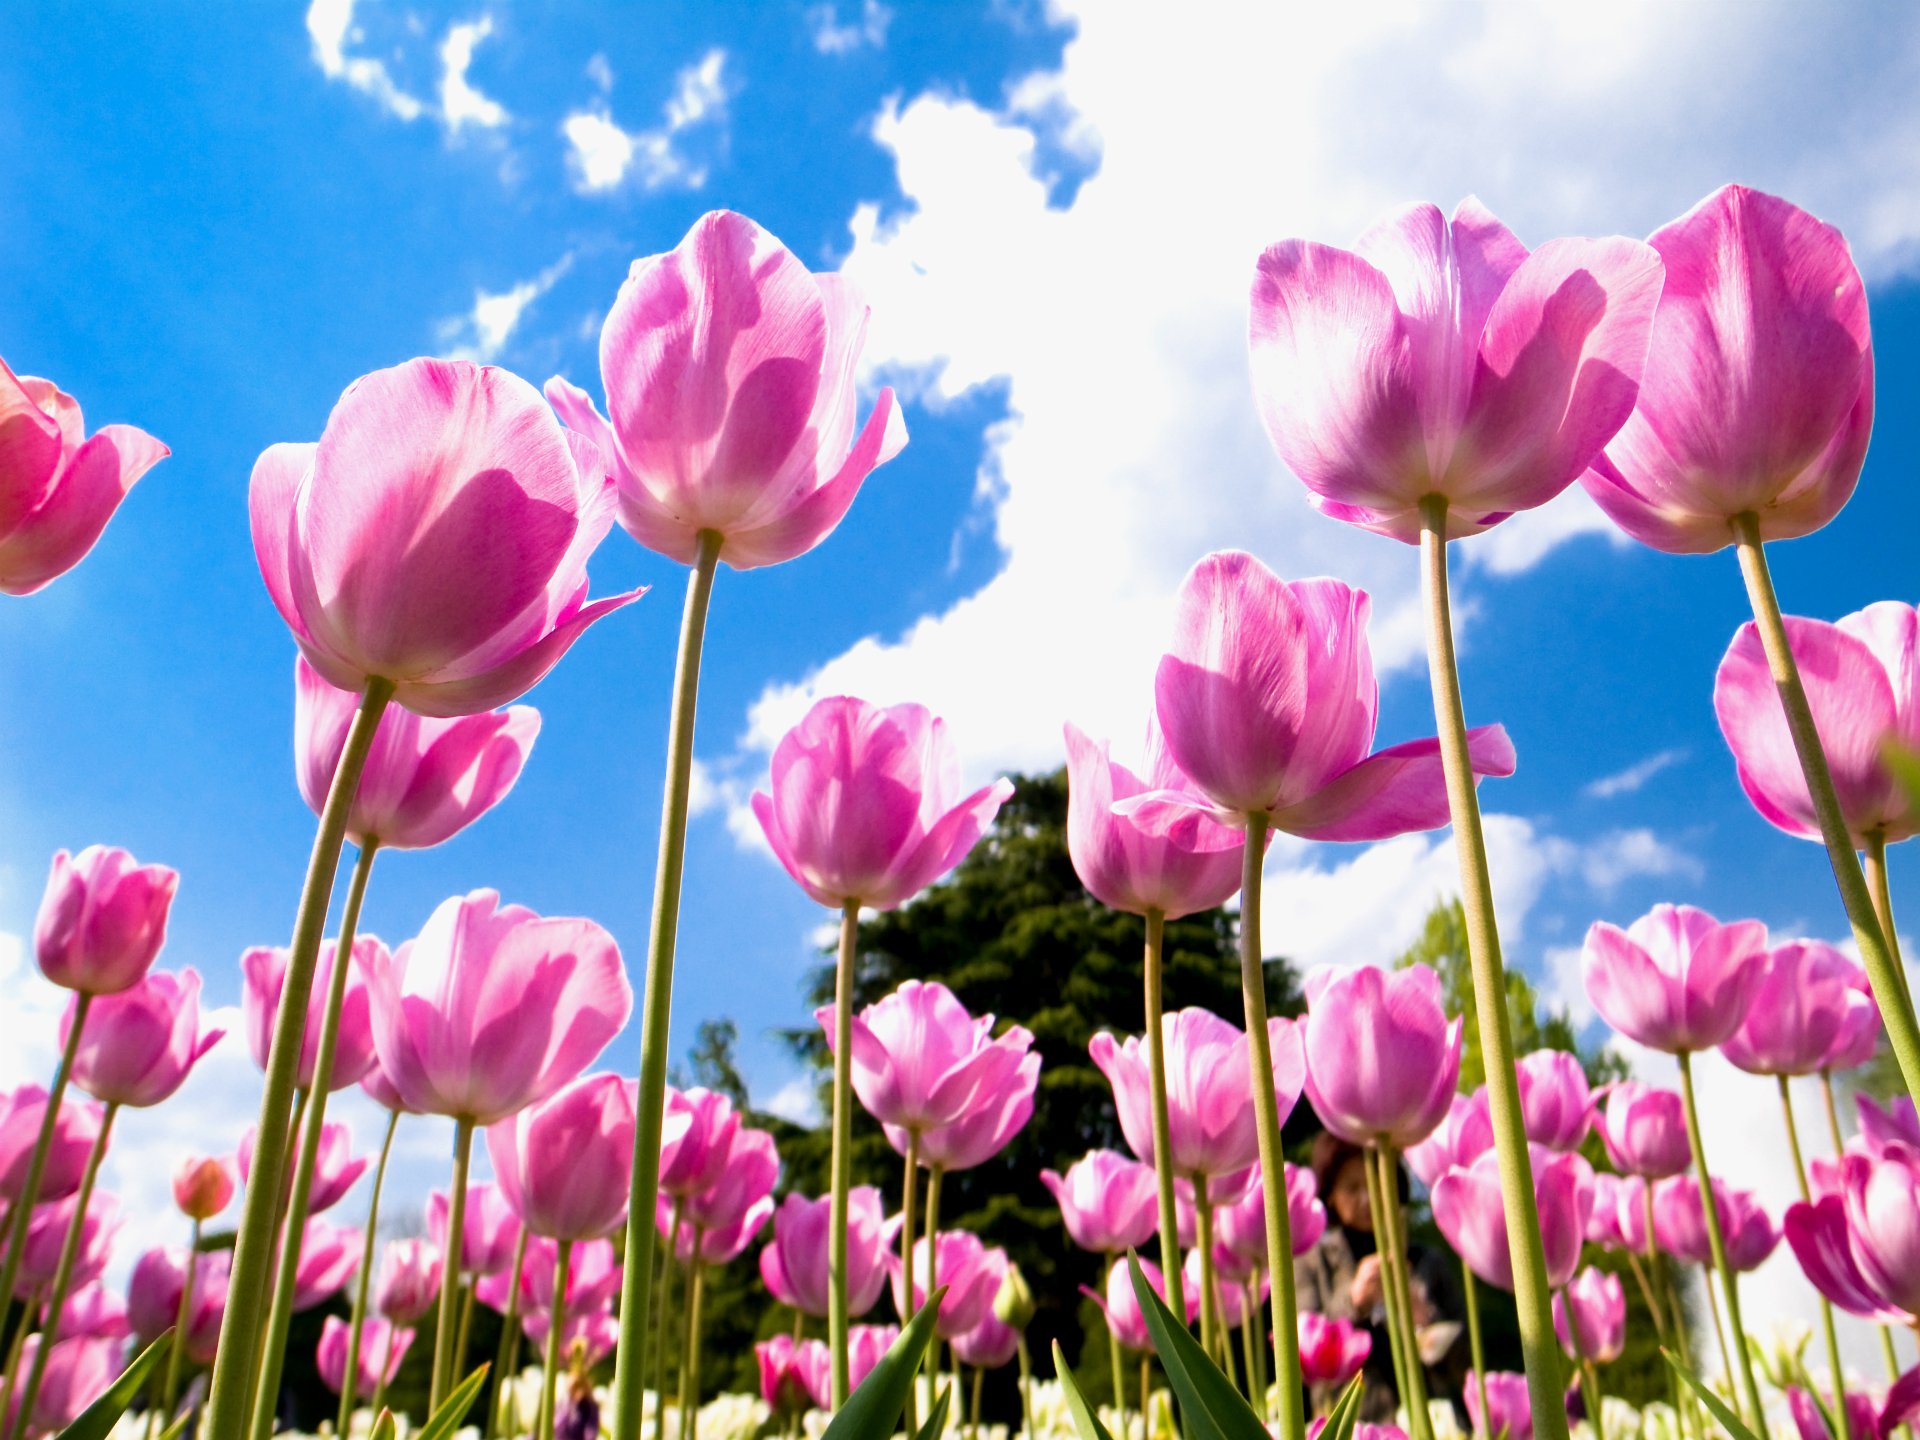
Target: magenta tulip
[(58, 485), (383, 1347), (1862, 678), (1897, 1122), (1457, 1141), (1676, 979), (1801, 1011), (102, 920), (436, 537), (489, 1232), (408, 1281), (75, 1129), (328, 1255), (1122, 1306), (1332, 1351), (1863, 1421), (203, 1185), (996, 1115), (1467, 1208), (1209, 1089), (1822, 1240), (47, 1234), (783, 1378), (564, 1163), (729, 375), (335, 1167), (969, 1271), (1192, 864), (1268, 702), (1758, 390), (97, 1311), (709, 1122), (139, 1044), (1240, 1225), (988, 1346), (867, 805), (718, 1244), (593, 1279), (1554, 1099), (78, 1372), (1644, 1129), (263, 971), (1107, 1201), (153, 1297), (1680, 1223), (866, 1344), (746, 1178), (1438, 357), (1382, 1059), (379, 1089), (1508, 1410), (1883, 1200), (1603, 1224), (794, 1263), (920, 1061), (493, 1007), (1597, 1305)]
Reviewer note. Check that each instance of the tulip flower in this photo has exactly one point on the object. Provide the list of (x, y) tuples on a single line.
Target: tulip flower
[(1821, 1235), (1106, 1200), (1332, 1351), (1882, 1197), (1595, 1306), (383, 1347), (996, 1115), (866, 1345), (752, 1164), (563, 1164), (202, 1186), (1680, 1224), (96, 1311), (409, 1280), (46, 1233), (490, 1230), (139, 1044), (1467, 1208), (1676, 979), (102, 920), (263, 973), (783, 1379), (920, 1061), (58, 485), (1801, 1010), (1644, 1130), (75, 1129), (592, 1279), (1239, 1227), (379, 1089), (1124, 1316), (596, 1334), (987, 1346), (153, 1297), (1361, 1430), (1506, 1405), (794, 1262), (73, 1375), (336, 1168), (1382, 1059), (970, 1272), (328, 1255), (1554, 1099), (1895, 1123), (1603, 1224), (708, 1122), (1461, 1138), (1863, 1420)]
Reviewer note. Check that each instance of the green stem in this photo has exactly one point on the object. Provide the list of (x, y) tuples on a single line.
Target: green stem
[(15, 1348), (1257, 1327), (636, 1299), (1882, 890), (63, 1275), (556, 1322), (1113, 1356), (1476, 1343), (1146, 1418), (930, 1362), (1532, 1300), (690, 1365), (907, 1305), (1883, 969), (448, 1320), (1396, 1342), (1833, 1113), (1590, 1383), (21, 1219), (1421, 1418), (503, 1355), (1266, 1114), (1249, 1362), (230, 1393), (1826, 1309), (1716, 1239), (838, 1319), (177, 1352), (663, 1318), (1162, 1123), (386, 1369), (1026, 1385), (1203, 1242), (350, 1381), (465, 1333)]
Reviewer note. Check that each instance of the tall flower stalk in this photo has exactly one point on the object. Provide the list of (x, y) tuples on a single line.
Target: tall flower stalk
[(22, 1214), (838, 1319), (350, 1376), (1742, 1361)]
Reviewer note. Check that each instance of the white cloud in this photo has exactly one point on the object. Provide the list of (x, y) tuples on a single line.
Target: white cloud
[(830, 37), (603, 154), (1629, 780), (460, 103), (483, 332), (331, 28), (797, 1100)]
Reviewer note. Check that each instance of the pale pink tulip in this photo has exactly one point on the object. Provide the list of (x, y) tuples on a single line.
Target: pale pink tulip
[(1676, 979), (988, 1346), (1240, 1225), (867, 806), (596, 1333), (718, 1244), (153, 1297), (593, 1279), (920, 1061), (1440, 358), (1680, 1223), (58, 485), (380, 1090), (1509, 1412), (1554, 1100), (794, 1262), (329, 1254), (564, 1163), (1597, 1304), (996, 1115), (1801, 1012), (969, 1271), (263, 972), (97, 1311), (1757, 394), (1460, 1139), (1108, 1202), (203, 1185), (1122, 1306), (865, 1346), (1467, 1208), (408, 1281), (78, 1372), (706, 1122), (436, 537), (1897, 1122), (1382, 1059), (102, 919), (489, 1232), (22, 1113), (335, 1167), (1644, 1129), (383, 1347), (729, 375), (139, 1044), (1331, 1350), (493, 1007), (47, 1234)]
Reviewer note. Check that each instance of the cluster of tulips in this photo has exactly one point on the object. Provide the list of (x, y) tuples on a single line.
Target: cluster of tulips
[(1709, 388)]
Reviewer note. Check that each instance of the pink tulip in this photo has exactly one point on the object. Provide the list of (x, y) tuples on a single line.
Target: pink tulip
[(1268, 702), (1800, 1011), (719, 1244), (593, 1279), (1240, 1226), (1467, 1208), (1192, 864), (1209, 1089), (1509, 1412), (1676, 979), (1223, 1193), (1231, 1277), (987, 1346), (379, 1089), (1895, 1123), (408, 1281), (1862, 677), (153, 1297), (1460, 1139), (920, 1061), (1822, 1239), (263, 972), (1554, 1099), (328, 1255), (729, 374), (139, 1044), (752, 1165), (596, 1333), (1440, 358), (1598, 1306), (1758, 390), (493, 1007), (203, 1186), (436, 537), (563, 1164), (1109, 1203), (867, 805), (22, 1113), (58, 485), (1382, 1058), (47, 1233), (96, 1311), (489, 1233), (1332, 1351), (103, 919), (783, 1379), (1680, 1223), (335, 1168), (78, 1372), (1644, 1130), (970, 1272), (866, 1344), (1863, 1421), (1361, 1430), (1603, 1224), (383, 1347), (1860, 1030), (996, 1115), (1883, 1200), (1122, 1306), (709, 1122), (794, 1263)]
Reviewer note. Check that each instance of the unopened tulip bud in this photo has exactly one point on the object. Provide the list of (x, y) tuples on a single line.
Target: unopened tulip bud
[(1014, 1306), (202, 1186)]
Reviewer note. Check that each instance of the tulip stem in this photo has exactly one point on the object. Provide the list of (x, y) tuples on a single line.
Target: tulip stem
[(503, 1355), (1203, 1243), (1162, 1123), (932, 1231), (1532, 1299), (1257, 1327), (176, 1353), (1026, 1385), (230, 1393), (663, 1322), (1396, 1343), (690, 1366), (556, 1323), (837, 1317), (1826, 1308), (1266, 1114), (1883, 969), (1113, 1355), (907, 1303), (1476, 1342), (1400, 1290), (1716, 1239), (448, 1320), (1596, 1401), (1250, 1304), (63, 1276), (1876, 852), (21, 1218), (636, 1299), (350, 1380)]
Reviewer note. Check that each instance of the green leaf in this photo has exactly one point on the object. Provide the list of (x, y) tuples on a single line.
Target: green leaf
[(444, 1421), (1084, 1419), (1717, 1407), (179, 1425), (383, 1425), (936, 1425), (99, 1418), (1213, 1409), (870, 1412), (1345, 1413)]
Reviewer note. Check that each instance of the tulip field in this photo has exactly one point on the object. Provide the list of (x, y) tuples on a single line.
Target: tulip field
[(1313, 1216)]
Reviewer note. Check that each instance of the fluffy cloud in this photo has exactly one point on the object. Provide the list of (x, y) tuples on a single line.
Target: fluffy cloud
[(831, 37), (483, 332), (460, 103), (602, 155), (336, 38), (1629, 780), (331, 29)]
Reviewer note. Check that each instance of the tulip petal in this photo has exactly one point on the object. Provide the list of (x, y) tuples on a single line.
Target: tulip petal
[(810, 521), (1393, 792)]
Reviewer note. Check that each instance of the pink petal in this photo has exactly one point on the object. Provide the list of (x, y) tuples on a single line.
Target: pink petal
[(1393, 792)]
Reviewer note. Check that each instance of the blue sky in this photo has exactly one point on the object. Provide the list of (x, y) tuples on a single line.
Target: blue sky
[(218, 217)]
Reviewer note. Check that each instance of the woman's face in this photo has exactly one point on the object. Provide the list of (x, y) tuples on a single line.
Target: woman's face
[(1349, 1195)]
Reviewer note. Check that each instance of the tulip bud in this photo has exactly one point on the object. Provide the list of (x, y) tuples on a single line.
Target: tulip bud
[(1014, 1306), (202, 1186)]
